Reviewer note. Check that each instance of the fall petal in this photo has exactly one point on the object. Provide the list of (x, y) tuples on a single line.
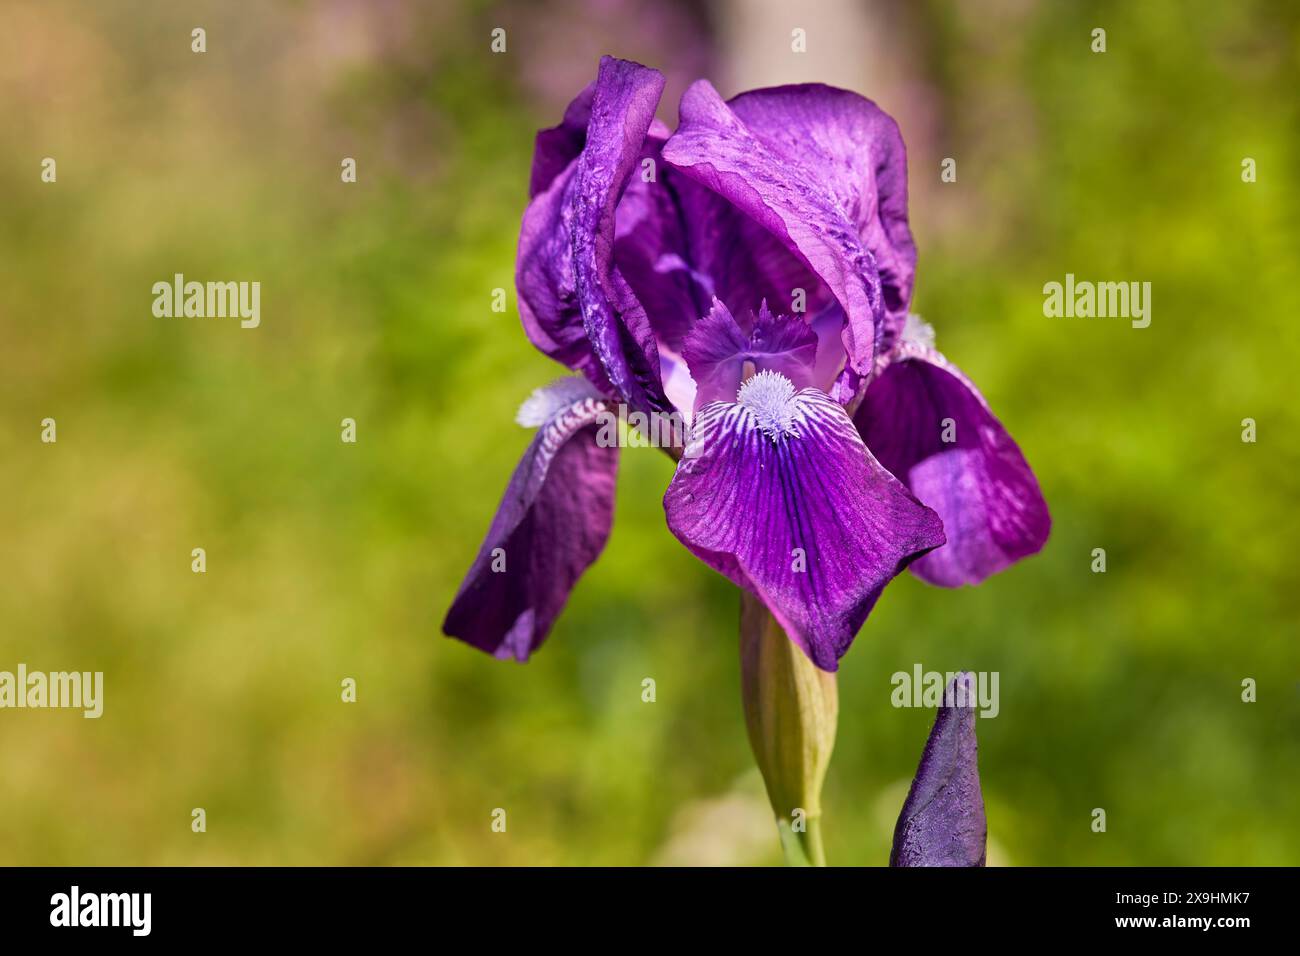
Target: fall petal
[(992, 509), (551, 525), (777, 492)]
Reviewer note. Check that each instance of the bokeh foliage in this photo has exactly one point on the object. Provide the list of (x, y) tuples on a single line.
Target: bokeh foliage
[(1118, 690)]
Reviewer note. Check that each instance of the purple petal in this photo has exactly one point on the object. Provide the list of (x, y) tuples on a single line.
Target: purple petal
[(551, 525), (942, 823), (651, 250), (854, 150), (576, 306), (823, 171), (560, 145), (992, 509), (744, 263), (718, 348), (679, 245), (777, 492)]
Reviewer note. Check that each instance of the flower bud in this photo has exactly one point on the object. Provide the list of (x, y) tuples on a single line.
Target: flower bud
[(942, 823)]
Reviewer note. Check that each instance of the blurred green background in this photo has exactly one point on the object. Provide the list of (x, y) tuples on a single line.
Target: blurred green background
[(327, 560)]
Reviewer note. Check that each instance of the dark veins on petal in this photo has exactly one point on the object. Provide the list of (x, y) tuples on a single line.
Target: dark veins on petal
[(777, 492)]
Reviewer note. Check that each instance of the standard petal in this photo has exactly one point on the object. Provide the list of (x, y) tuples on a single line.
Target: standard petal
[(651, 248), (743, 263), (576, 305), (823, 171), (777, 492), (855, 151), (560, 145), (942, 823), (551, 525), (978, 481)]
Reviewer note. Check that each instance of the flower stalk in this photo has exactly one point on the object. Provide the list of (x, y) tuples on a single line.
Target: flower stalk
[(791, 709)]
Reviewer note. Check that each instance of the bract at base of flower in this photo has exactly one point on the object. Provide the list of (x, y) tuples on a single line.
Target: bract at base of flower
[(791, 711)]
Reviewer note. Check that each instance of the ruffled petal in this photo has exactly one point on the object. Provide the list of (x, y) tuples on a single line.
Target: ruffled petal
[(777, 492), (651, 249), (854, 150), (576, 305), (992, 509), (821, 170), (556, 147), (942, 823), (680, 247), (742, 262), (551, 525)]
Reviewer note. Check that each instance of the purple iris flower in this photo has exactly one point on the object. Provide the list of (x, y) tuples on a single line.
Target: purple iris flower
[(942, 823), (750, 272)]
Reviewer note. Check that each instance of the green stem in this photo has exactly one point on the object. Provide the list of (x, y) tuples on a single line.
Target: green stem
[(803, 848)]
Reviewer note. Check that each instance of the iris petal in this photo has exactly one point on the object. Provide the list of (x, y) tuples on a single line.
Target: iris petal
[(854, 150), (777, 492), (978, 481), (552, 523), (650, 249), (744, 262), (575, 304), (555, 148), (824, 172)]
